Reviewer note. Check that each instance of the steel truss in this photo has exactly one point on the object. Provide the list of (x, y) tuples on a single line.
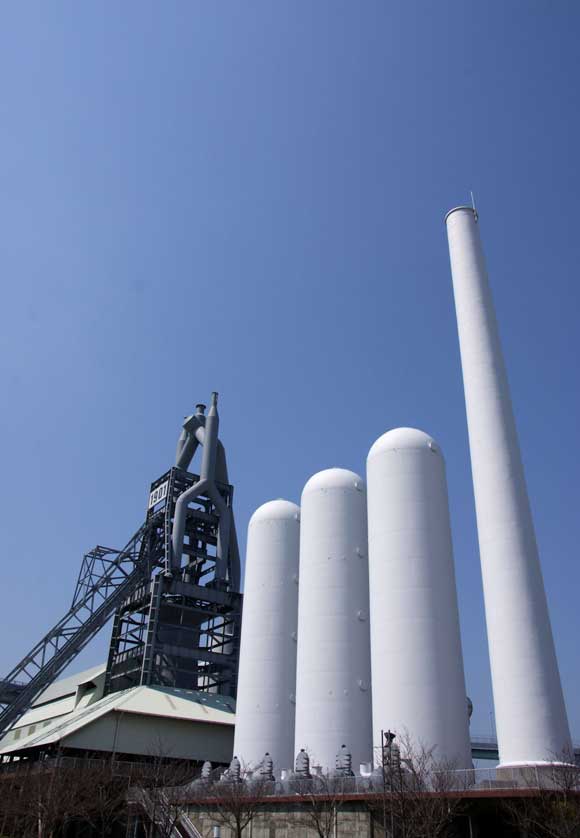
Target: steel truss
[(106, 578)]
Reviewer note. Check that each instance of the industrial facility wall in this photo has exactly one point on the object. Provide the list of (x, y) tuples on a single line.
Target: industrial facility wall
[(477, 819), (289, 822), (129, 733)]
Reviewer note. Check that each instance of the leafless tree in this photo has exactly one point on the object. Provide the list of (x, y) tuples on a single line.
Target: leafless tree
[(232, 802), (12, 790), (320, 800), (50, 801), (158, 790), (102, 795), (524, 814), (554, 811), (62, 796), (419, 795)]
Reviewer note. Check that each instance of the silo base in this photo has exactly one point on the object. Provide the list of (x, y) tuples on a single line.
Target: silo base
[(545, 775)]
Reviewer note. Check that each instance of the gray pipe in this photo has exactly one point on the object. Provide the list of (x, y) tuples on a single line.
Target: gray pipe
[(179, 520), (212, 424), (221, 471), (191, 436), (188, 449), (180, 443), (187, 453), (208, 472), (200, 429), (204, 485), (224, 526)]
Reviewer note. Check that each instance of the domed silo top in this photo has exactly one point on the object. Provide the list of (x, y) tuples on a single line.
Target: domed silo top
[(404, 439), (334, 478), (275, 510)]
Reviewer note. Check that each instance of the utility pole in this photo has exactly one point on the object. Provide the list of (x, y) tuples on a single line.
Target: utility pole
[(387, 749)]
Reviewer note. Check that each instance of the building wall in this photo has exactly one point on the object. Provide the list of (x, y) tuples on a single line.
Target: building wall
[(288, 822), (478, 818), (130, 733)]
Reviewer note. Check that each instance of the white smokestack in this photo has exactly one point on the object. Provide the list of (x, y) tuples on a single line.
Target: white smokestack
[(529, 706)]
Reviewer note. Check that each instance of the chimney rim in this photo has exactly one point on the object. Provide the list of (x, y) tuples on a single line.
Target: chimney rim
[(461, 207)]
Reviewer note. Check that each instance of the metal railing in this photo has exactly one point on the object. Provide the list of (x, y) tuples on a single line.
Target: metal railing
[(163, 812), (548, 778)]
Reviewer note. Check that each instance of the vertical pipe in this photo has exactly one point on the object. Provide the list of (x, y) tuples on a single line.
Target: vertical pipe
[(180, 444), (212, 423), (532, 726), (206, 482)]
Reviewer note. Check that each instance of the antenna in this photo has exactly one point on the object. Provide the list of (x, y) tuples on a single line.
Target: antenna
[(473, 205)]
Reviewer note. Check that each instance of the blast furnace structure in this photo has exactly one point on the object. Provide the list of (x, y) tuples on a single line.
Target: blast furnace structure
[(173, 589)]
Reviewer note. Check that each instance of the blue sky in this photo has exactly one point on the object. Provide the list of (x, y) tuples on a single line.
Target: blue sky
[(249, 197)]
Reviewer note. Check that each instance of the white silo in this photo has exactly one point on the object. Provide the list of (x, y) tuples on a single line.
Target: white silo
[(418, 682), (333, 697), (267, 669), (532, 726)]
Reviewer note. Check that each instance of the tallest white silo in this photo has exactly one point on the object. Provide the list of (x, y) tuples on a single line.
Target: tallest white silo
[(418, 686), (529, 706)]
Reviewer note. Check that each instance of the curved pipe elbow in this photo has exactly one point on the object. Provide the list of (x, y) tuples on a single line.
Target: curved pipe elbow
[(179, 519)]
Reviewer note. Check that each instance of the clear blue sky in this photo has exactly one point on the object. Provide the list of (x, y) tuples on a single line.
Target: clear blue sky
[(249, 197)]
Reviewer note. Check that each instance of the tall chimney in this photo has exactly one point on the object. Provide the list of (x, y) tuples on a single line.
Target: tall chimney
[(532, 726)]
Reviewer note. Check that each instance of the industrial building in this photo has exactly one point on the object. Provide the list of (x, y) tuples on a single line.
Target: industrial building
[(169, 683), (350, 628), (73, 717)]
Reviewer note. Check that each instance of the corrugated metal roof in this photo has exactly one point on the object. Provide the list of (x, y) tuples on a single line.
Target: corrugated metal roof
[(178, 704), (58, 707), (69, 686), (164, 702)]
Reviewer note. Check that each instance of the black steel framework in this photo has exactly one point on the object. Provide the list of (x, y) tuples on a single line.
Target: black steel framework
[(175, 627), (179, 628)]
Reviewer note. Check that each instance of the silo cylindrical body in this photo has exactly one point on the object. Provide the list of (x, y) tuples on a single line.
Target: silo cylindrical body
[(532, 725), (417, 664), (267, 668), (333, 696)]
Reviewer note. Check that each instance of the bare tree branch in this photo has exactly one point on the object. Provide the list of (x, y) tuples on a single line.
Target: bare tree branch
[(233, 799)]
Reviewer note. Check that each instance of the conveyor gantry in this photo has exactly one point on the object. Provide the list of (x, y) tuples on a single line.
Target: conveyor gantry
[(106, 578)]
